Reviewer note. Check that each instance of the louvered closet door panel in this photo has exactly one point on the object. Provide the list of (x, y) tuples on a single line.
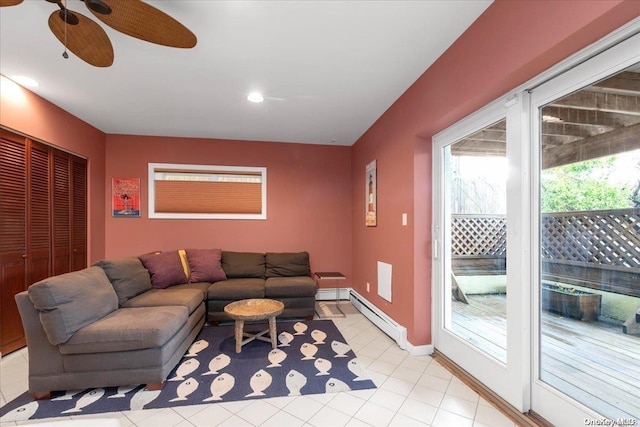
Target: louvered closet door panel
[(61, 213), (12, 237), (79, 213), (39, 230)]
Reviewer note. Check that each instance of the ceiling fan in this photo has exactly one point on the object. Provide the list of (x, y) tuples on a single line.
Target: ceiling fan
[(89, 42)]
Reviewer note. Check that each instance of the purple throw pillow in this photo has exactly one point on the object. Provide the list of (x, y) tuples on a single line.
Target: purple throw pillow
[(164, 268), (205, 265)]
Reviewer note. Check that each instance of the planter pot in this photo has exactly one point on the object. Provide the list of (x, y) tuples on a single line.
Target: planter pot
[(578, 305)]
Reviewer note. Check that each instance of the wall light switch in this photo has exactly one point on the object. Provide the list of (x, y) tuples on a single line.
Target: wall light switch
[(368, 287), (404, 219)]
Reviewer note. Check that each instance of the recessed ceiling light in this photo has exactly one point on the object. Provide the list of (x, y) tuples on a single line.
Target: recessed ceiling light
[(25, 81), (255, 97)]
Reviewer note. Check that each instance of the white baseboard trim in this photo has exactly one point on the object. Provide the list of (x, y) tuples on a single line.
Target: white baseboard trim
[(329, 294), (397, 332), (383, 321), (420, 350)]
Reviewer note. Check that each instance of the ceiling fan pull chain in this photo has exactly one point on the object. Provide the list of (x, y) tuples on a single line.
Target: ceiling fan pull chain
[(65, 55)]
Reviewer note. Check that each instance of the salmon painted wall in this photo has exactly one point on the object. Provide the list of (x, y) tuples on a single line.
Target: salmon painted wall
[(308, 199), (510, 43), (26, 113)]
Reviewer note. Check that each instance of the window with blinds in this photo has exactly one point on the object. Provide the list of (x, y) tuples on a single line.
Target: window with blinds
[(207, 192)]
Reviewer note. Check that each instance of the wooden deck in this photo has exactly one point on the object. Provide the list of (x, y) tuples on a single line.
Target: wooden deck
[(593, 362)]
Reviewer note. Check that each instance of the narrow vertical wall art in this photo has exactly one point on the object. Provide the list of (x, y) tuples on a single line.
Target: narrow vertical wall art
[(370, 206), (125, 197)]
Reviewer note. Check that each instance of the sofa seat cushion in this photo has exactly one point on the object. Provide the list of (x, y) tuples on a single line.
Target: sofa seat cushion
[(127, 275), (203, 287), (71, 301), (190, 298), (128, 329), (286, 287), (236, 289), (287, 264)]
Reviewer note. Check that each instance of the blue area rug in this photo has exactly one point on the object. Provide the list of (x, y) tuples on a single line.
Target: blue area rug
[(312, 357)]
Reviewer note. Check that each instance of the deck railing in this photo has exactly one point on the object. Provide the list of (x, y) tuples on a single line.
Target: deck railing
[(596, 249)]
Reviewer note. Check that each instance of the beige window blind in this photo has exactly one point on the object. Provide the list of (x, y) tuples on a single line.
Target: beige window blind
[(214, 192)]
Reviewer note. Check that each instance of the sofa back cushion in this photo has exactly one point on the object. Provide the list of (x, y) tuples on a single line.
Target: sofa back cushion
[(127, 275), (205, 265), (287, 264), (243, 265), (165, 269), (72, 301)]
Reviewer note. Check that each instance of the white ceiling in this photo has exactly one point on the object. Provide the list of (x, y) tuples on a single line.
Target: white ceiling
[(328, 69)]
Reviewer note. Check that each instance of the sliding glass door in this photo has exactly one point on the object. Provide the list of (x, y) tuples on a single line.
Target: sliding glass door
[(587, 275), (480, 317), (536, 273)]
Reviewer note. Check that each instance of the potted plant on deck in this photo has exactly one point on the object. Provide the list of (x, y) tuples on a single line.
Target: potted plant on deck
[(570, 302)]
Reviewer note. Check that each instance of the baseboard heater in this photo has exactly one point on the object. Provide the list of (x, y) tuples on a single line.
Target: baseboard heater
[(389, 326)]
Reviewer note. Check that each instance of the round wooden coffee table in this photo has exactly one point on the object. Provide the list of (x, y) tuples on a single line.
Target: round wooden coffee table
[(250, 310)]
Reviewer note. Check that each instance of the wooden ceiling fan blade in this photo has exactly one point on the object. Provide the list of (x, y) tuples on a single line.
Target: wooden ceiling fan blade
[(4, 3), (86, 39), (143, 21)]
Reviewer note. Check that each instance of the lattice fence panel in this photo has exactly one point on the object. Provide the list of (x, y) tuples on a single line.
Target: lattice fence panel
[(599, 237), (479, 235)]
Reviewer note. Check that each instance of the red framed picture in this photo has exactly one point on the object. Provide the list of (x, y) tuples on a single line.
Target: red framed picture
[(125, 197)]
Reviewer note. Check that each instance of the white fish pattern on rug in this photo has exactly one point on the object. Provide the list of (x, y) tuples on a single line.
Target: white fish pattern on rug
[(276, 357), (340, 348), (357, 370), (316, 361), (142, 398), (220, 386), (318, 336), (185, 368), (334, 385), (308, 351), (218, 363), (185, 389), (323, 366), (295, 381), (68, 395), (300, 328), (285, 339), (122, 391), (86, 400), (20, 413), (196, 348), (259, 382)]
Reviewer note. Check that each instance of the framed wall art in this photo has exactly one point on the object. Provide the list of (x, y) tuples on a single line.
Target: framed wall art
[(125, 197), (371, 192)]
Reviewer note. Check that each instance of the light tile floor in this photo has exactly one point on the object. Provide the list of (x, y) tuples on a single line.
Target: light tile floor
[(412, 391)]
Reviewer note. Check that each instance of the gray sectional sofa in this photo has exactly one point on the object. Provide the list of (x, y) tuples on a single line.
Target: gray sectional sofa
[(129, 321)]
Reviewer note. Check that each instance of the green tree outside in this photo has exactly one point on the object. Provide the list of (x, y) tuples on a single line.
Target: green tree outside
[(584, 186)]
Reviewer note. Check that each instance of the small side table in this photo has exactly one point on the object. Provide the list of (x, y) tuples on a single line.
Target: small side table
[(250, 310), (333, 275)]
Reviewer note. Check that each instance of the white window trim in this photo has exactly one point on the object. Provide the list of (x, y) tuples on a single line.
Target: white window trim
[(206, 169)]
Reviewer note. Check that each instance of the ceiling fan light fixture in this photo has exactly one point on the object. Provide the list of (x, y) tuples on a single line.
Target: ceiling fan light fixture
[(25, 81), (67, 16), (255, 97), (98, 6)]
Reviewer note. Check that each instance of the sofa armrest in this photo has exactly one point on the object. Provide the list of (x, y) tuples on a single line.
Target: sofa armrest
[(44, 358)]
